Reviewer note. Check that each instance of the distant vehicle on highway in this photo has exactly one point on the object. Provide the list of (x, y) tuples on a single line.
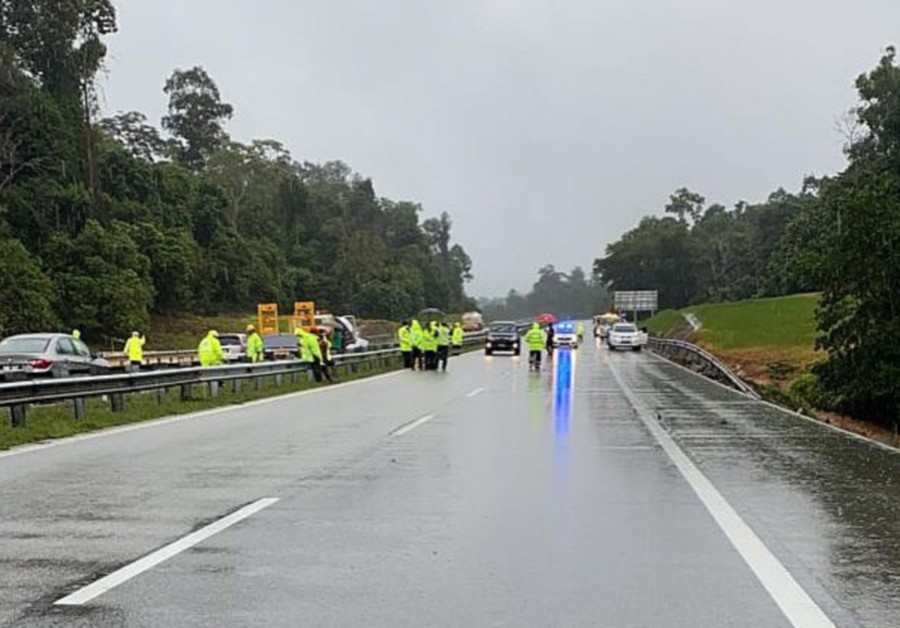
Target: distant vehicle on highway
[(472, 321), (503, 336), (234, 346), (49, 355), (603, 323), (566, 335), (280, 346), (626, 336)]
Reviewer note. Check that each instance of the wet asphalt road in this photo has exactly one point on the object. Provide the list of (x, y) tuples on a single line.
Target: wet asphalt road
[(486, 496)]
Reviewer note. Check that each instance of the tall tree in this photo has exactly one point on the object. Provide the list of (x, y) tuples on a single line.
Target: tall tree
[(196, 116)]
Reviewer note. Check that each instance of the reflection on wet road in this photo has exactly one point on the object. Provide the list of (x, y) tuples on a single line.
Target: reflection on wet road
[(485, 496)]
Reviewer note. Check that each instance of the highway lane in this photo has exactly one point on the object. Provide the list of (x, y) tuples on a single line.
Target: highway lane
[(484, 496)]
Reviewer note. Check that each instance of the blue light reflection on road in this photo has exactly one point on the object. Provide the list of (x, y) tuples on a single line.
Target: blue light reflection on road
[(563, 389)]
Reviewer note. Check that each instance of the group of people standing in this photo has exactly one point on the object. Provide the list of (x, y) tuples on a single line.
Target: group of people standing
[(428, 348)]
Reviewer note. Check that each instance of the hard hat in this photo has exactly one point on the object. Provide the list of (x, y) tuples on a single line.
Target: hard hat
[(250, 328), (135, 333), (214, 333)]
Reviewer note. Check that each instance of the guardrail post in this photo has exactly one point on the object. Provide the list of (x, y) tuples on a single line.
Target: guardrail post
[(160, 396), (259, 382), (295, 376), (279, 379), (78, 403), (117, 402), (235, 386), (186, 392), (17, 415), (214, 388)]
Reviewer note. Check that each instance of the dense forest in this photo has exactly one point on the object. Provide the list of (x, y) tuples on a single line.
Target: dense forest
[(837, 235), (105, 221), (573, 294)]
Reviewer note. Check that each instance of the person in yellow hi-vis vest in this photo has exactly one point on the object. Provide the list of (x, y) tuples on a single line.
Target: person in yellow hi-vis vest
[(134, 350), (255, 348), (456, 338), (404, 339), (308, 345), (210, 350)]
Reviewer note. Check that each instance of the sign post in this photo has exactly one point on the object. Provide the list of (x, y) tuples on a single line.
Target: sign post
[(305, 314), (268, 318), (637, 301)]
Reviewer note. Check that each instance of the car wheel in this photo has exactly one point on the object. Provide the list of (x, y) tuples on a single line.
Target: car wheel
[(636, 348), (488, 352)]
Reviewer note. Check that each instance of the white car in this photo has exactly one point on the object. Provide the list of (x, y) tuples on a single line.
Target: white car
[(234, 347), (565, 335), (626, 336)]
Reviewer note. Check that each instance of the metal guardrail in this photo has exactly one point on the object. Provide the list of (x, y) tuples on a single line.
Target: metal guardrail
[(18, 396), (700, 360)]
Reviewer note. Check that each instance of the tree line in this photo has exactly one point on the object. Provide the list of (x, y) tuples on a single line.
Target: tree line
[(838, 235), (106, 221), (570, 295)]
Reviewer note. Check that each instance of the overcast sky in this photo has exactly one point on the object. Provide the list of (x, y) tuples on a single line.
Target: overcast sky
[(546, 128)]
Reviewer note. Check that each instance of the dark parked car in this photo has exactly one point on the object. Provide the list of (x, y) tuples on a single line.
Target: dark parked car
[(280, 346), (503, 336), (49, 355)]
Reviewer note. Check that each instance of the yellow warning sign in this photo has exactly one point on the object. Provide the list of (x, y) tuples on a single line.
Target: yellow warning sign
[(268, 318), (305, 313)]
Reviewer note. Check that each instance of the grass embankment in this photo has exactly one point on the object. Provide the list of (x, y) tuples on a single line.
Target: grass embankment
[(767, 341), (58, 420)]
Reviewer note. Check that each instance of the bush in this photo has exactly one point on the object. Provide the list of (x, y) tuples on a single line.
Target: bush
[(26, 293), (807, 391)]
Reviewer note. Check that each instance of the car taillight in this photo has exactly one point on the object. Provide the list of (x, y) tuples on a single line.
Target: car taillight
[(40, 363)]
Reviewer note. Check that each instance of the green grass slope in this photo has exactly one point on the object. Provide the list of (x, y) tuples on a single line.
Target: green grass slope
[(780, 322)]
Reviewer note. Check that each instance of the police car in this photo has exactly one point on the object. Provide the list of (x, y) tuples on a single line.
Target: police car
[(565, 335)]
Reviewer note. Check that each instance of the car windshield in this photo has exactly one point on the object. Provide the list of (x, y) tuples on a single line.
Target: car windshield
[(565, 328), (503, 328), (24, 345), (625, 329), (229, 340)]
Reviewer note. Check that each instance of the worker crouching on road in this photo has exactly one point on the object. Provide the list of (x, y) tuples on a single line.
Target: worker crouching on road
[(456, 339), (404, 339), (255, 349), (210, 350), (443, 346), (310, 352), (134, 350)]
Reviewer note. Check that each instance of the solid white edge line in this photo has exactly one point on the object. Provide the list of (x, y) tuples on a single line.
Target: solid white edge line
[(143, 425), (475, 392), (409, 427), (104, 584), (796, 604)]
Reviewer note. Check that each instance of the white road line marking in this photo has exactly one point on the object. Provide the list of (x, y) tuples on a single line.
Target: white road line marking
[(796, 604), (475, 392), (104, 584), (409, 427)]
